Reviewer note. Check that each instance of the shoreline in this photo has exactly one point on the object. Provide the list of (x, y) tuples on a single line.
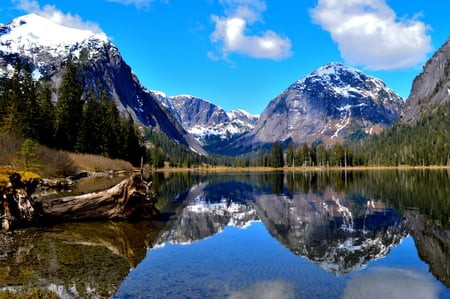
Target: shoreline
[(295, 169)]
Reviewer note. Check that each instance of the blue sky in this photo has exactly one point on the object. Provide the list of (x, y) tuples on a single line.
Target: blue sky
[(240, 54)]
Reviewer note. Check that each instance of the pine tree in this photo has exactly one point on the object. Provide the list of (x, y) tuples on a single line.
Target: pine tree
[(12, 119), (31, 110), (4, 87), (115, 132), (47, 115), (90, 137), (134, 150), (69, 108), (277, 159), (28, 155), (290, 155)]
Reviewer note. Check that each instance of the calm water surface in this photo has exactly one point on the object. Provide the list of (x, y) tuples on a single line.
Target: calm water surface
[(254, 235)]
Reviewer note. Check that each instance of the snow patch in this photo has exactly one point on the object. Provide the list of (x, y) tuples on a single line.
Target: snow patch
[(28, 32)]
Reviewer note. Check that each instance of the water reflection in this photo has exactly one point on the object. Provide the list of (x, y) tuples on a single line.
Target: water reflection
[(339, 221), (391, 283), (253, 234), (77, 260), (327, 227)]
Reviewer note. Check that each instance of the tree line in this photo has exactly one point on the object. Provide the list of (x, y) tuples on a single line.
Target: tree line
[(426, 143), (76, 121), (277, 156)]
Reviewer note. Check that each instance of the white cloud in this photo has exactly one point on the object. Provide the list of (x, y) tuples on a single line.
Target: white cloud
[(54, 14), (369, 33), (233, 35)]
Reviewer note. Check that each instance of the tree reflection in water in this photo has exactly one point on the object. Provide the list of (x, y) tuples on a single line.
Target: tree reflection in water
[(76, 260)]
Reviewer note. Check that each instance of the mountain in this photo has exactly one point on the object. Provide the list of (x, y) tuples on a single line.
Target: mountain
[(330, 105), (207, 122), (431, 88), (46, 46)]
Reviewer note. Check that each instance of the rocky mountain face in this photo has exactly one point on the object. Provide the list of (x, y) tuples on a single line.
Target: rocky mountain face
[(46, 46), (207, 122), (333, 103), (431, 88)]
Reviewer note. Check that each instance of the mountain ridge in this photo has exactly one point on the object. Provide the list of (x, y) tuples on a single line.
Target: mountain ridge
[(102, 65), (206, 121), (329, 105)]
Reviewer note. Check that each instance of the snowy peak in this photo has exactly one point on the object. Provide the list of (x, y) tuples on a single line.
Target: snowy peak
[(243, 116), (336, 71), (345, 81), (336, 75), (207, 122), (25, 34), (333, 104)]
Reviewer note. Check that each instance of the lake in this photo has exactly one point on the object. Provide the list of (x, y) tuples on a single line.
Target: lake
[(359, 234)]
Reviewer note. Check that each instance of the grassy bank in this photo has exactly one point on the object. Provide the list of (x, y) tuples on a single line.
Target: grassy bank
[(53, 163), (98, 163)]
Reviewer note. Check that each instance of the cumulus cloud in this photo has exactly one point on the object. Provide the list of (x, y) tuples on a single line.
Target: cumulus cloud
[(54, 14), (233, 32), (369, 33)]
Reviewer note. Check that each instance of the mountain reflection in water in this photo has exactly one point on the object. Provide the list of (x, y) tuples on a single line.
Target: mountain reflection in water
[(241, 235), (327, 228)]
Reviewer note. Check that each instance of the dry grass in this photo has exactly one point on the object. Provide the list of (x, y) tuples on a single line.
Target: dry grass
[(55, 163), (51, 163), (98, 163)]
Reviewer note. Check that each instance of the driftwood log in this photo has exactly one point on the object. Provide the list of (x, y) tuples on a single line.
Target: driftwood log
[(130, 199)]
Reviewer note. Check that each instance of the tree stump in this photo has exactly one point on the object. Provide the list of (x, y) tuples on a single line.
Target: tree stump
[(130, 199)]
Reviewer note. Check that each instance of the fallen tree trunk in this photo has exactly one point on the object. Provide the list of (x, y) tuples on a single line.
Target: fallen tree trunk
[(130, 199)]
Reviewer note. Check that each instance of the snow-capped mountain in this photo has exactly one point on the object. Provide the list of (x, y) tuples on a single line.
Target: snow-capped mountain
[(46, 46), (207, 122), (333, 103), (35, 37)]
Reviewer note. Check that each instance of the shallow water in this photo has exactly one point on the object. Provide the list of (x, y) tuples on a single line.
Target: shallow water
[(254, 235)]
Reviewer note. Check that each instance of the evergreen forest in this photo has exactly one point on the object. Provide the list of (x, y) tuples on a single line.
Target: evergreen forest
[(76, 121), (87, 122)]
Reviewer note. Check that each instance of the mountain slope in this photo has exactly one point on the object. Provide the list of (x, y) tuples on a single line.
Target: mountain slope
[(333, 103), (207, 122), (46, 46), (431, 88)]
